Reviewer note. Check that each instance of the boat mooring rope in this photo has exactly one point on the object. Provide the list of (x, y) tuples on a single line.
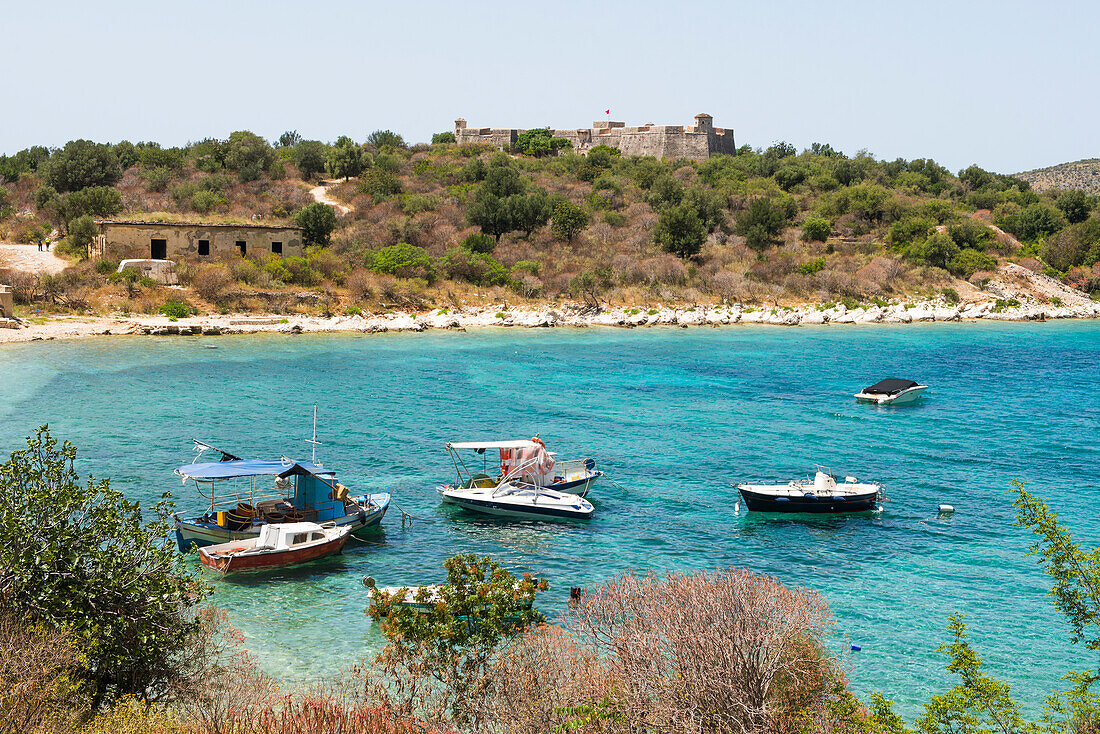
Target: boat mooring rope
[(615, 483), (409, 516)]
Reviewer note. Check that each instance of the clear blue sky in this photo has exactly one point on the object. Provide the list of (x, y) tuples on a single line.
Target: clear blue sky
[(1008, 85)]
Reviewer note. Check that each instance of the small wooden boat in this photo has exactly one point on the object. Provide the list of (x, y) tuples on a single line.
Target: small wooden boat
[(277, 545), (246, 495)]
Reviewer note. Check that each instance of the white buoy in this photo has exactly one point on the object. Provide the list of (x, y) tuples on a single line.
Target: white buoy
[(737, 508), (945, 509)]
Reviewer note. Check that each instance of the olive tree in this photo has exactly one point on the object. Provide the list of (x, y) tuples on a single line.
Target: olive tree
[(82, 163), (317, 221), (310, 157), (346, 158)]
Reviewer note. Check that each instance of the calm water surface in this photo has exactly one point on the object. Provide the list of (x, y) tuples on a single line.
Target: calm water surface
[(672, 415)]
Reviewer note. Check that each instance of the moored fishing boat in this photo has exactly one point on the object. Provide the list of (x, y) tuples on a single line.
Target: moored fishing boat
[(276, 546), (245, 495), (528, 486), (821, 495)]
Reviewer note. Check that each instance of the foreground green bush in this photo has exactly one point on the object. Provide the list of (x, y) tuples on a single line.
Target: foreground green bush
[(96, 568)]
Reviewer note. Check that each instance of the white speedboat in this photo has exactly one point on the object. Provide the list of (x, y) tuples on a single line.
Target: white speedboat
[(891, 391), (525, 488), (823, 494)]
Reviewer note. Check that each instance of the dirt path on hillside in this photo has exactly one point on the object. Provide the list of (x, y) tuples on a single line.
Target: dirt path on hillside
[(320, 194), (28, 259)]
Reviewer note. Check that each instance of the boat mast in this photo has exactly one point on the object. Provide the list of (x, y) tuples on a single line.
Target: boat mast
[(314, 441)]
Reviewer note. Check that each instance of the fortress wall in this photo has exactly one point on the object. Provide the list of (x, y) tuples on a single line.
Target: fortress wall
[(698, 142)]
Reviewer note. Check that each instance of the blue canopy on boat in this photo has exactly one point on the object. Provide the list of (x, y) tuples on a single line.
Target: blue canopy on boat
[(248, 468)]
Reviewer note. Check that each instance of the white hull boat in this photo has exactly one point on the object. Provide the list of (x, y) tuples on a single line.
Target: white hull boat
[(891, 391), (531, 483), (519, 501)]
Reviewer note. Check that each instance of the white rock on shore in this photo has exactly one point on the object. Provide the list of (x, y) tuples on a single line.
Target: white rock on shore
[(567, 314)]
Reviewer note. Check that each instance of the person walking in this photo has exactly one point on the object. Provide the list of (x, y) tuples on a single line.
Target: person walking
[(47, 244), (40, 244)]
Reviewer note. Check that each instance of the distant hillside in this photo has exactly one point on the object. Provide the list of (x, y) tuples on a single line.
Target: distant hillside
[(1084, 175)]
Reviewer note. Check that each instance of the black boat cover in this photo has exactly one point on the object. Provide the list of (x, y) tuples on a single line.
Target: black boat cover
[(889, 386)]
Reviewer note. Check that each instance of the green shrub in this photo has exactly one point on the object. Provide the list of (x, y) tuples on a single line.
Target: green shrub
[(82, 232), (1001, 304), (379, 184), (764, 220), (106, 267), (969, 233), (300, 271), (1075, 205), (415, 203), (969, 261), (475, 267), (175, 309), (950, 295), (984, 199), (403, 260), (813, 266), (614, 219), (182, 192), (98, 201), (203, 201), (1032, 222), (354, 311), (569, 220), (479, 242), (906, 231), (527, 266), (816, 229), (680, 231), (937, 250), (386, 139), (273, 265), (447, 137)]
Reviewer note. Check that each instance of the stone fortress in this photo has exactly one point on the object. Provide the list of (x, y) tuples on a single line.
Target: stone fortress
[(698, 142)]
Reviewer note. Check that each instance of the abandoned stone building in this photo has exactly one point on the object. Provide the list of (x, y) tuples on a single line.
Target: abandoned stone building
[(123, 240), (698, 142)]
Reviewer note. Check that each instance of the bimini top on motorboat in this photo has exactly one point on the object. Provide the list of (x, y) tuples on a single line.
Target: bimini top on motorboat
[(245, 495), (276, 546), (823, 494), (891, 391), (529, 484)]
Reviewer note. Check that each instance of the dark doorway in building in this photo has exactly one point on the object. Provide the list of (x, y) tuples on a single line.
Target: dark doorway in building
[(241, 247), (277, 248), (158, 249), (204, 247)]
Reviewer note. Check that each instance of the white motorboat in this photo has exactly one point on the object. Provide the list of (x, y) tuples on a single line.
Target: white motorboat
[(822, 494), (525, 488), (891, 391)]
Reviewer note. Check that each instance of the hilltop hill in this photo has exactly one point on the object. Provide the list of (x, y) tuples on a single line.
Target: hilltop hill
[(447, 225), (1084, 175)]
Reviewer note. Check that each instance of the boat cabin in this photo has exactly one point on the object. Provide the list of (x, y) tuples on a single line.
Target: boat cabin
[(244, 491), (285, 536)]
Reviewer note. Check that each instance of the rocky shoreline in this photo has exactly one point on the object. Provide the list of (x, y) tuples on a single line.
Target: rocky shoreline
[(565, 315)]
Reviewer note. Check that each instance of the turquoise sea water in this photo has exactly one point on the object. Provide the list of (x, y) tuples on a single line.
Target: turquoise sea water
[(674, 416)]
